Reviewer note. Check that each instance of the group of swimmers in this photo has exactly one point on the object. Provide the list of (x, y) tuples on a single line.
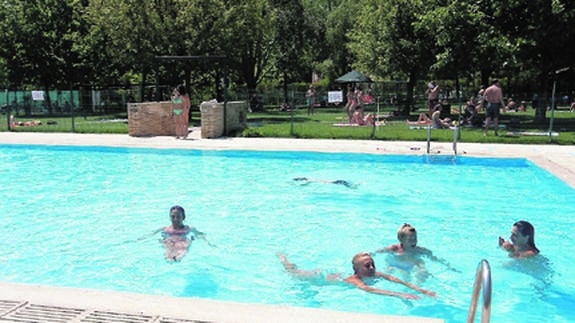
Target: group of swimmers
[(177, 239)]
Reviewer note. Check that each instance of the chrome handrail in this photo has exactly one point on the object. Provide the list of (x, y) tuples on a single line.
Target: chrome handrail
[(482, 281), (428, 138), (455, 136)]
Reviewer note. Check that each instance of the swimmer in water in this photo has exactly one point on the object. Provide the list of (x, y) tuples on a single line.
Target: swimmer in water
[(363, 271), (178, 237), (306, 181), (521, 243), (407, 254)]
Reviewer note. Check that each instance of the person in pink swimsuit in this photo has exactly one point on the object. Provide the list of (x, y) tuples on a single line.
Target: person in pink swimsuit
[(178, 237)]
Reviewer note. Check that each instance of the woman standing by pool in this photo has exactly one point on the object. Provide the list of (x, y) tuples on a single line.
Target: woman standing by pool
[(181, 111), (522, 241)]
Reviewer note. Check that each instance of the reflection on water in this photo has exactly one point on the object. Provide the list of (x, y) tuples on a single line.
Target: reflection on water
[(200, 285), (564, 303), (538, 267), (404, 265)]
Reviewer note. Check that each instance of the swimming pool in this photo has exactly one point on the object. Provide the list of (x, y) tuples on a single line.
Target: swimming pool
[(72, 217)]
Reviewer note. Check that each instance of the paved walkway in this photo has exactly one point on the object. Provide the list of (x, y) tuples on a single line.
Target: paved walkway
[(26, 303)]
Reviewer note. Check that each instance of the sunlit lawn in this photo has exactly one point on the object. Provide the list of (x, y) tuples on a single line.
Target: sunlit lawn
[(298, 124)]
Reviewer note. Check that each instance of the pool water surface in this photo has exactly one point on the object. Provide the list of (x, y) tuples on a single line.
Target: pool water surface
[(83, 217)]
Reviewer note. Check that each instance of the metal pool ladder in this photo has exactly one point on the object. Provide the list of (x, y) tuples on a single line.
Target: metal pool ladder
[(456, 131), (482, 281)]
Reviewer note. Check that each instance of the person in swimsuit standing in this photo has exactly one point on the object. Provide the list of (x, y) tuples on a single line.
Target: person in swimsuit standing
[(310, 99), (493, 102), (432, 93), (351, 102), (181, 111)]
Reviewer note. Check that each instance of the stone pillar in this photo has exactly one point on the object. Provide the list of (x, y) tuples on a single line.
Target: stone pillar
[(151, 119), (213, 118)]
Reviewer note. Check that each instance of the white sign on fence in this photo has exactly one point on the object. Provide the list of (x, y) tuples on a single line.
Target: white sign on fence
[(38, 95), (335, 96)]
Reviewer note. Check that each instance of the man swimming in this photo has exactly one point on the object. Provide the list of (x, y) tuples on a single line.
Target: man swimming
[(363, 271)]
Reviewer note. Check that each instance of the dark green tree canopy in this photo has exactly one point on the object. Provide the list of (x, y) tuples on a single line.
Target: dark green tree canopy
[(56, 43)]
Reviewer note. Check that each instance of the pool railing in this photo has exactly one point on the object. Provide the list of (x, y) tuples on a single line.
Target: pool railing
[(482, 281)]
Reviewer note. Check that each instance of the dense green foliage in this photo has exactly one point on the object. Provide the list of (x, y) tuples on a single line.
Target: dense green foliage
[(60, 43)]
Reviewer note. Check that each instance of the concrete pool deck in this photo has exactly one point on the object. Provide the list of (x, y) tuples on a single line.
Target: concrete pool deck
[(32, 303)]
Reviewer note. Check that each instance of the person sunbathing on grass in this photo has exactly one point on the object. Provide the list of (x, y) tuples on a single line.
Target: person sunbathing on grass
[(360, 119), (435, 121), (422, 120), (29, 123)]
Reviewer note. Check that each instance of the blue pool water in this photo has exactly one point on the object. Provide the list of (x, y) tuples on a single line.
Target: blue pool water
[(72, 217)]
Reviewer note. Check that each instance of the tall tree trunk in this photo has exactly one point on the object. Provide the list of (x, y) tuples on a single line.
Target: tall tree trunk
[(409, 92), (285, 88)]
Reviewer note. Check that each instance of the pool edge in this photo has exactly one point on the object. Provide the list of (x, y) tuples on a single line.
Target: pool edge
[(558, 160), (176, 308)]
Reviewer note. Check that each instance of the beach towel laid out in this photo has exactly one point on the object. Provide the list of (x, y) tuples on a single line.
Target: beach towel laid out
[(425, 127), (377, 123), (346, 125), (530, 133)]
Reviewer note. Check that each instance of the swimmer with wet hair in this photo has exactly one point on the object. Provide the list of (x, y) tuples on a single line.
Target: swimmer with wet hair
[(363, 268), (177, 237), (521, 243), (408, 254)]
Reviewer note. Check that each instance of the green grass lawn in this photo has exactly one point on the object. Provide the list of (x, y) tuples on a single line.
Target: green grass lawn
[(89, 124), (321, 125)]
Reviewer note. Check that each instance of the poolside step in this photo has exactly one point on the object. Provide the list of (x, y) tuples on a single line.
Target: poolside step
[(25, 312)]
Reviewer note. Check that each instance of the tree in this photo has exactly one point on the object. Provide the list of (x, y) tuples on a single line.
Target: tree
[(39, 39), (455, 26), (250, 35), (289, 19), (339, 26), (126, 36), (385, 40)]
